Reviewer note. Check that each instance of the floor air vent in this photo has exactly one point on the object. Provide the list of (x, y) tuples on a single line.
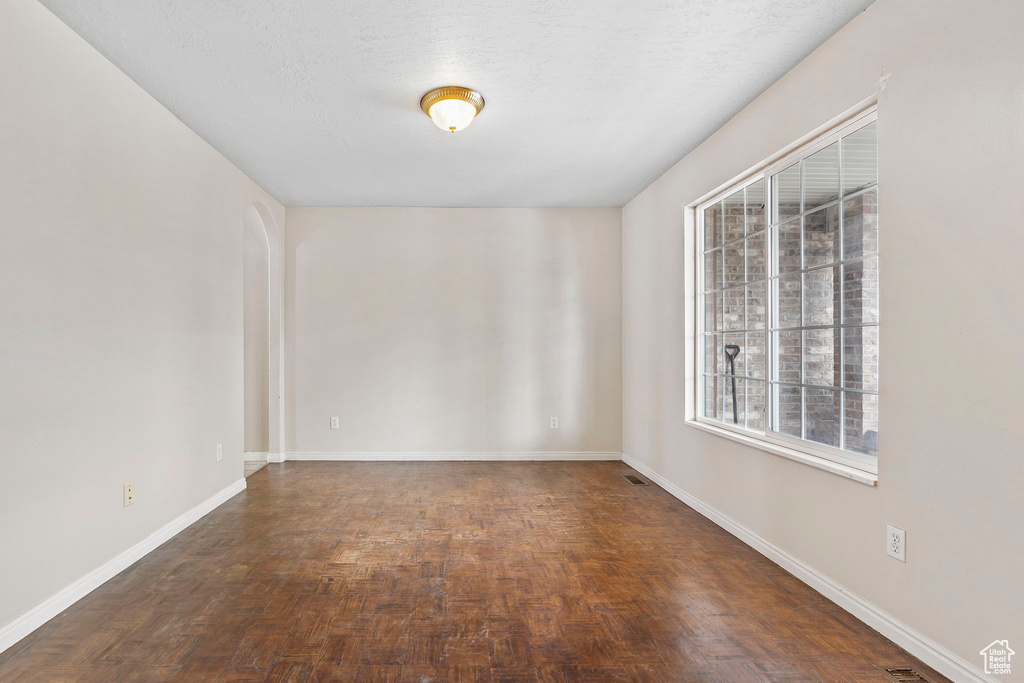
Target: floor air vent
[(905, 675), (634, 480)]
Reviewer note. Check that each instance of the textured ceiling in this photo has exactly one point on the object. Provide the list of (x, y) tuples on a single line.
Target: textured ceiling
[(588, 101)]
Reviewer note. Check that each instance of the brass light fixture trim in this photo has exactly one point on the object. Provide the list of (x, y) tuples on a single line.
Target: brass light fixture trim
[(452, 92)]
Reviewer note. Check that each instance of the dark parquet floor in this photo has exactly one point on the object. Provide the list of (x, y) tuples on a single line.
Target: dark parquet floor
[(453, 572)]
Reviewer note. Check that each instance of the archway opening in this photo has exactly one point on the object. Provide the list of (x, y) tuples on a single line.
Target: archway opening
[(256, 325)]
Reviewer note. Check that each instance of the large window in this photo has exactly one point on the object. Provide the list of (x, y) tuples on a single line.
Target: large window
[(787, 317)]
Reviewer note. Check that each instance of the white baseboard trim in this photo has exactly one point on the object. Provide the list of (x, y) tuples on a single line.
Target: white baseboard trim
[(43, 612), (438, 456), (254, 455), (277, 457), (928, 651)]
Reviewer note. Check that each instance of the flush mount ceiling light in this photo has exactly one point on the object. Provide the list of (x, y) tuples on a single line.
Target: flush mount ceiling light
[(452, 107)]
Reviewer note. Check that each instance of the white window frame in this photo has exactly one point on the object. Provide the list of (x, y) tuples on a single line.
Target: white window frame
[(855, 466)]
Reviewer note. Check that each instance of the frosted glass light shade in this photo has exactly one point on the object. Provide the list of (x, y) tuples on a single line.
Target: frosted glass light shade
[(452, 115), (452, 108)]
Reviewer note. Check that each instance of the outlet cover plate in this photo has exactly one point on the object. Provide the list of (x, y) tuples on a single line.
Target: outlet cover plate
[(896, 543)]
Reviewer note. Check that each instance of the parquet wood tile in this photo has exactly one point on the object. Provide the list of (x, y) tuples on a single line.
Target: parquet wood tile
[(474, 572)]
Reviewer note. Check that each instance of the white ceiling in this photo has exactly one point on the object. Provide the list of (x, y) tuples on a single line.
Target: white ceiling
[(587, 101)]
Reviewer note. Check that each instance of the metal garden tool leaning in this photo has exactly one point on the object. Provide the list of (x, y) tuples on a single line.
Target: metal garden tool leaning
[(731, 351)]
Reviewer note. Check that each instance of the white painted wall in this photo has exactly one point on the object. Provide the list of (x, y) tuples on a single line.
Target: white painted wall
[(255, 275), (120, 312), (951, 472), (453, 330)]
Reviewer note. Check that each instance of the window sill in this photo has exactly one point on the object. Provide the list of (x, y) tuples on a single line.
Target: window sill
[(867, 478)]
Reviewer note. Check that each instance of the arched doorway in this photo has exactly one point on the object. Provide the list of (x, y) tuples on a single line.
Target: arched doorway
[(261, 287)]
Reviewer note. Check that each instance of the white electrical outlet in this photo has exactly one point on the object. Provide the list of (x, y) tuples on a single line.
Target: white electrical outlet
[(220, 451), (129, 494), (896, 543), (554, 423), (335, 423)]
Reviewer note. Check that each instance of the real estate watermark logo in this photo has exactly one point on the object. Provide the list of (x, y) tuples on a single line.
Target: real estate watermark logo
[(997, 657)]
